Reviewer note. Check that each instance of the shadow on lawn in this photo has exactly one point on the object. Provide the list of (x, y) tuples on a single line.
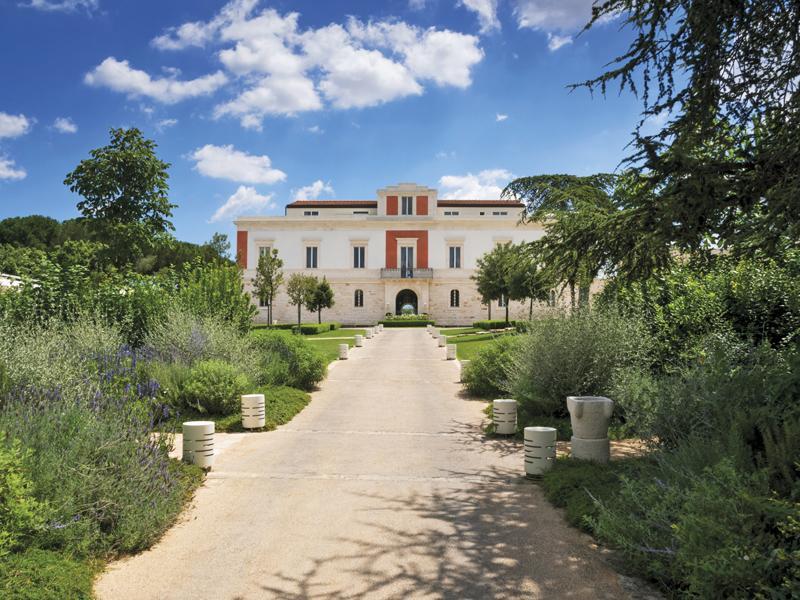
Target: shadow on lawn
[(494, 536)]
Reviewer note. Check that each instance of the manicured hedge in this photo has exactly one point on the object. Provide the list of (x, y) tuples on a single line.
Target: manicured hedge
[(406, 322), (314, 328), (493, 324), (276, 326)]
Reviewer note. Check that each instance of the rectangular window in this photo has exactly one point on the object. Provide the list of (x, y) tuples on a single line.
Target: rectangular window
[(451, 213), (359, 257), (264, 250), (500, 213), (311, 213), (408, 205), (455, 257), (502, 301), (312, 253), (360, 212)]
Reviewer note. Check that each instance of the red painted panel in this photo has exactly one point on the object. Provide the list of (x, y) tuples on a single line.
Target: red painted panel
[(422, 247), (422, 205), (241, 248), (391, 205)]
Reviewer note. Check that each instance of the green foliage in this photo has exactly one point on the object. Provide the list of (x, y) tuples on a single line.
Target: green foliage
[(412, 321), (282, 404), (215, 387), (125, 194), (45, 575), (494, 273), (300, 289), (493, 324), (21, 515), (575, 355), (268, 279), (33, 231), (321, 297), (316, 328), (486, 375), (286, 360)]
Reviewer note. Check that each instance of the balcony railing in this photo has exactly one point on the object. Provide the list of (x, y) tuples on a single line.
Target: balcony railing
[(406, 273)]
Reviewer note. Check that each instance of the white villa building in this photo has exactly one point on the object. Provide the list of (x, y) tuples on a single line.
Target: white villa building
[(406, 247)]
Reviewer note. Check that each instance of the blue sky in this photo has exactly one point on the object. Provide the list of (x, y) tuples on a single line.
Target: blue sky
[(255, 102)]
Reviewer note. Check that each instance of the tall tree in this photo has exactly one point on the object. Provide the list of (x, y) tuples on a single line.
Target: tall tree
[(268, 279), (220, 245), (300, 289), (725, 75), (528, 280), (321, 297), (125, 194), (493, 275)]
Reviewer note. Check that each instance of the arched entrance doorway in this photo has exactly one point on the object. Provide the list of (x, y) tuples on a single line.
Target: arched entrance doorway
[(406, 298)]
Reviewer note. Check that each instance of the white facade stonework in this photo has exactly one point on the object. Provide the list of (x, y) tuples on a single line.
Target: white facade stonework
[(401, 252)]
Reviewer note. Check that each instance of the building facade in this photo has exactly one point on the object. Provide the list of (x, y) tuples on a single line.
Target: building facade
[(406, 248)]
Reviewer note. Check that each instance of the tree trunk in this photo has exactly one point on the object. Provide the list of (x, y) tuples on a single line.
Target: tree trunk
[(572, 296), (530, 311), (490, 309), (507, 311), (298, 314), (319, 316)]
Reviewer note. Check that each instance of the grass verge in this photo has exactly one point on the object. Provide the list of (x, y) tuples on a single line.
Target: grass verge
[(468, 346), (337, 333)]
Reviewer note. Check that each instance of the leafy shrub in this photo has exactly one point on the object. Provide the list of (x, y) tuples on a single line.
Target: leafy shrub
[(5, 381), (172, 379), (314, 328), (282, 404), (573, 355), (44, 575), (486, 375), (493, 324), (406, 322), (256, 326), (215, 387), (21, 515), (286, 360)]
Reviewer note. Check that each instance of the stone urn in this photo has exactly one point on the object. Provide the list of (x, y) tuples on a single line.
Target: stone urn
[(590, 416)]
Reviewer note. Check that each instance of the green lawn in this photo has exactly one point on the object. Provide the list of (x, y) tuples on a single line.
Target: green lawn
[(329, 348), (457, 331), (337, 333), (467, 346)]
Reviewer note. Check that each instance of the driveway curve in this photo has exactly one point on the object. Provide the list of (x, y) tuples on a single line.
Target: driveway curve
[(383, 487)]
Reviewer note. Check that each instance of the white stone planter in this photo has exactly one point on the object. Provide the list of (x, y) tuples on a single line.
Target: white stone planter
[(359, 341), (451, 351), (343, 348), (589, 416), (198, 443), (442, 341), (253, 411), (504, 412), (540, 450), (598, 451), (368, 333)]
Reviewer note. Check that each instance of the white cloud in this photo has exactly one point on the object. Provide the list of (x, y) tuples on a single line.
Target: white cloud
[(225, 162), (315, 129), (500, 117), (120, 77), (65, 125), (244, 199), (486, 185), (8, 170), (486, 11), (416, 4), (313, 191), (14, 125), (64, 5), (555, 41), (443, 154), (553, 15), (166, 124), (285, 70)]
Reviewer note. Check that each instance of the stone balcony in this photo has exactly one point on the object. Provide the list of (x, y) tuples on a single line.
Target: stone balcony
[(406, 273)]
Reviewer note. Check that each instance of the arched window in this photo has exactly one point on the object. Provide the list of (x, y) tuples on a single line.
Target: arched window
[(358, 299), (455, 298)]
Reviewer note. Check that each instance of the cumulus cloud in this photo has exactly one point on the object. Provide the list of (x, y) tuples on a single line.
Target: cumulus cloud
[(225, 162), (64, 5), (285, 70), (14, 125), (313, 191), (119, 76), (244, 199), (65, 125), (9, 170), (553, 15), (555, 41), (486, 10), (164, 124), (500, 117), (486, 185)]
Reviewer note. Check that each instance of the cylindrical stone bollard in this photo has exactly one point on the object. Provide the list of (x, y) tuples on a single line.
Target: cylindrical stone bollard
[(464, 365), (442, 341), (451, 351), (253, 411), (380, 327), (504, 412), (359, 341), (343, 348), (540, 450), (589, 416), (198, 443), (368, 333), (428, 328), (598, 451), (434, 332)]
